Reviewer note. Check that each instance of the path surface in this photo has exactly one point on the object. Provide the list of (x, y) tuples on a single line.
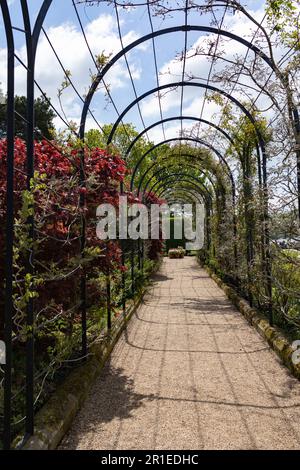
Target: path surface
[(189, 373)]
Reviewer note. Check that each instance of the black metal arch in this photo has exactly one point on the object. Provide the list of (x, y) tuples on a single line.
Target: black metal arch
[(192, 139), (187, 84), (31, 43), (185, 190), (194, 182), (32, 38), (174, 139), (8, 309), (163, 167), (185, 166), (262, 164), (201, 190), (177, 118), (198, 161), (199, 193), (183, 28), (205, 194), (234, 220), (176, 175)]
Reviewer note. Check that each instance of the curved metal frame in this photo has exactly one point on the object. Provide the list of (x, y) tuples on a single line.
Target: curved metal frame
[(183, 28), (220, 157), (176, 139), (187, 165), (161, 194), (8, 313), (159, 163), (32, 39), (201, 189), (188, 84), (174, 118), (234, 221), (206, 197), (167, 180), (196, 196), (31, 44)]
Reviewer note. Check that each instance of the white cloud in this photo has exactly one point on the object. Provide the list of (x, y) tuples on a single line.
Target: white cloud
[(103, 37), (68, 41), (198, 66)]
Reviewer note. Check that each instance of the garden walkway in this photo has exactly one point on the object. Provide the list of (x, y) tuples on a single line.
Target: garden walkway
[(189, 373)]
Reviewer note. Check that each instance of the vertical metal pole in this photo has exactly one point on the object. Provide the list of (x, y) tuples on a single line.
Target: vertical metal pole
[(123, 281), (294, 117), (268, 266), (297, 135), (262, 224), (142, 256), (82, 203), (139, 254), (248, 196), (123, 260), (9, 227), (235, 251), (29, 423), (132, 267), (207, 224), (31, 47), (108, 300)]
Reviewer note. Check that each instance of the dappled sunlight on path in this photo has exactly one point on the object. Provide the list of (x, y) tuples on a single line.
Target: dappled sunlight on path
[(189, 373)]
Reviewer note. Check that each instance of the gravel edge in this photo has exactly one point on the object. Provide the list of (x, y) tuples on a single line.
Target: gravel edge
[(274, 336), (54, 419)]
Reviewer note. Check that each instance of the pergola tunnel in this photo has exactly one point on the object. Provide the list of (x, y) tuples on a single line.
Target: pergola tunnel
[(180, 104)]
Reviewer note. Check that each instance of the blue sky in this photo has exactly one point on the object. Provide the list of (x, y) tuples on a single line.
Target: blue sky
[(100, 26)]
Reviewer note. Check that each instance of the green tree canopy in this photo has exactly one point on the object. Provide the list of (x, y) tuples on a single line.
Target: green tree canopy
[(44, 116)]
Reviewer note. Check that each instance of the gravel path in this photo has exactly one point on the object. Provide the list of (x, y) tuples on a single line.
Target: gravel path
[(189, 373)]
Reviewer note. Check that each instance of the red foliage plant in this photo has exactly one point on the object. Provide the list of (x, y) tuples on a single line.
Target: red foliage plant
[(60, 202)]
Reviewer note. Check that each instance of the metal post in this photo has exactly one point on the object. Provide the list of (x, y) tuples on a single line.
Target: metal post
[(139, 254), (29, 423), (142, 256), (297, 150), (31, 47), (108, 300), (268, 266), (123, 280), (132, 268), (248, 219), (9, 227), (82, 202)]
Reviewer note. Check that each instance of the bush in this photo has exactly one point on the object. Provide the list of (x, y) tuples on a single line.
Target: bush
[(59, 203), (286, 287), (176, 253)]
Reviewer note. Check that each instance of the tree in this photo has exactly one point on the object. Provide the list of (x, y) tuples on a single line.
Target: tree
[(124, 135), (44, 116)]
